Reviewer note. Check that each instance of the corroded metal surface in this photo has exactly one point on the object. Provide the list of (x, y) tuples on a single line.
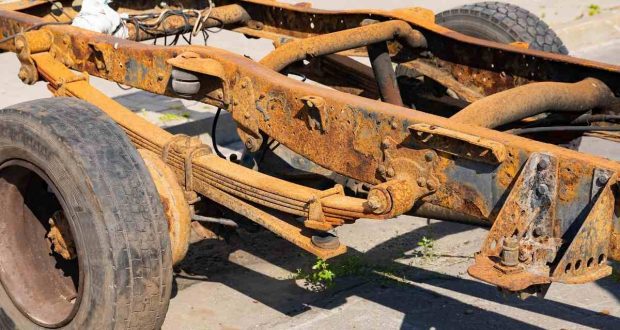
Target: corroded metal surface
[(176, 208), (521, 243), (60, 236), (533, 99), (301, 49), (409, 157)]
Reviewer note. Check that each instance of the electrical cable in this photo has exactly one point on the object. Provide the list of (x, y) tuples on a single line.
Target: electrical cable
[(588, 118), (521, 131), (213, 137), (153, 28)]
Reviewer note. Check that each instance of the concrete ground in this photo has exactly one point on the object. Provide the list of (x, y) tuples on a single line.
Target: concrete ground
[(387, 281)]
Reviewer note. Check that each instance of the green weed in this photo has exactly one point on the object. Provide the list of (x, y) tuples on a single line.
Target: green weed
[(594, 10), (168, 117), (319, 278), (427, 247)]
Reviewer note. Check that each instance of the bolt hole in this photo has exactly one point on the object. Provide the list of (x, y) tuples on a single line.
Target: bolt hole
[(568, 267), (590, 261), (601, 259), (577, 264)]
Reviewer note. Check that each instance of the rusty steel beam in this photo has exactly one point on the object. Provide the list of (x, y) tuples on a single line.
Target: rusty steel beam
[(301, 49), (280, 20), (533, 99)]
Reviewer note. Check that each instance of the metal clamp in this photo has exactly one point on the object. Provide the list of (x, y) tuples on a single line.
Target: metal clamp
[(198, 151)]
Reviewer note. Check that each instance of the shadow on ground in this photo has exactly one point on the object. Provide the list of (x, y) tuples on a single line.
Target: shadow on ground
[(427, 298)]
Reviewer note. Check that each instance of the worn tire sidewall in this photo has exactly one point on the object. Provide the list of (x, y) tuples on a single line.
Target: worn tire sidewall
[(480, 28), (24, 139)]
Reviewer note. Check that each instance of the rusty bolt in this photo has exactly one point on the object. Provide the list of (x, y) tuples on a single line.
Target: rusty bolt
[(510, 252), (249, 143), (235, 102), (429, 156), (377, 201), (543, 164), (390, 172), (376, 204), (382, 170), (539, 231), (246, 115), (386, 143), (394, 124), (601, 181), (542, 189), (244, 84), (19, 45), (421, 182), (431, 185)]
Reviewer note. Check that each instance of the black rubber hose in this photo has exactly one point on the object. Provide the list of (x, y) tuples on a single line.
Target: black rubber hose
[(213, 138)]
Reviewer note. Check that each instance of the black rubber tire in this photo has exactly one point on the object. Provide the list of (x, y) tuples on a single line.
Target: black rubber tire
[(502, 22), (123, 245)]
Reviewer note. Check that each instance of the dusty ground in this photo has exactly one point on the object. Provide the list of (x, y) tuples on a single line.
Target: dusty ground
[(247, 282)]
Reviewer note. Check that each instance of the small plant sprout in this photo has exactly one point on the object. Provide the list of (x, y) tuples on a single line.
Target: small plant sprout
[(319, 278), (427, 247), (594, 10)]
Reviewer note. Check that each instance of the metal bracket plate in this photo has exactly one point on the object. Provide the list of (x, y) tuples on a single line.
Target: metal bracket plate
[(526, 221), (459, 144), (585, 258), (246, 114)]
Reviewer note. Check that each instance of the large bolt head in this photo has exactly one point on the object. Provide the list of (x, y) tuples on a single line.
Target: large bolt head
[(249, 143), (543, 164), (377, 202), (386, 143), (431, 185), (19, 45), (542, 190), (381, 170), (602, 179)]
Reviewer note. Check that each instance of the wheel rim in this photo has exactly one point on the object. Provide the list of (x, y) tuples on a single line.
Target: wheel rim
[(34, 235)]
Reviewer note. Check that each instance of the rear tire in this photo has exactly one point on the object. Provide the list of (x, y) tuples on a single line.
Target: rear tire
[(502, 22), (65, 155)]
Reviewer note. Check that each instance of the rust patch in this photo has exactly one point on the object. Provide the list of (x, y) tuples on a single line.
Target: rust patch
[(569, 174)]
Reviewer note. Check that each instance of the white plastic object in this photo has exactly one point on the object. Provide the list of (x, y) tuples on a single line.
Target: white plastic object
[(97, 16)]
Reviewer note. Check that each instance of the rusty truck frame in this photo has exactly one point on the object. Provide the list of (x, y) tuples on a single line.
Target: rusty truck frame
[(488, 148)]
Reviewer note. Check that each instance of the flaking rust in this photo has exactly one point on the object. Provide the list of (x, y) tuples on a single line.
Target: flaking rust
[(554, 211)]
